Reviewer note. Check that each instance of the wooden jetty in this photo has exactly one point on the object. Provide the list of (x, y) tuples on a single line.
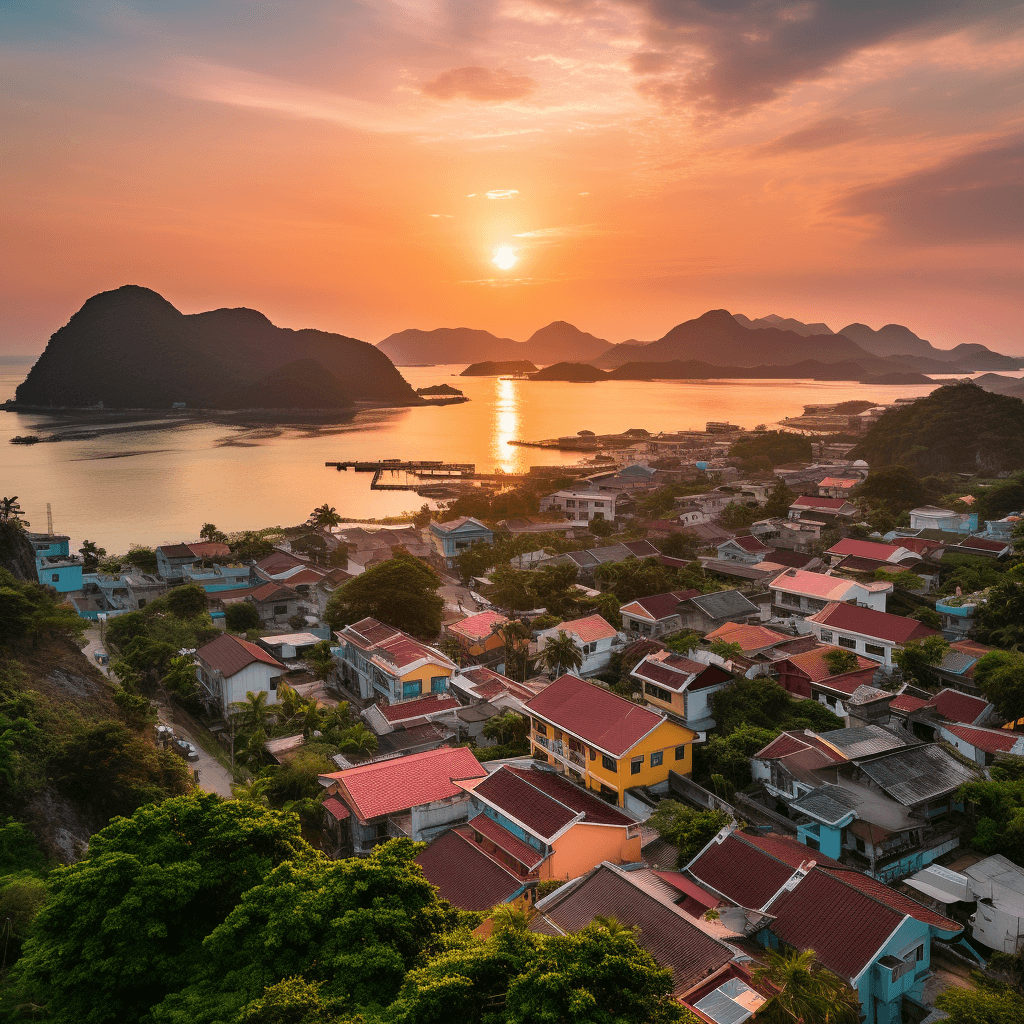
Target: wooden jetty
[(422, 469)]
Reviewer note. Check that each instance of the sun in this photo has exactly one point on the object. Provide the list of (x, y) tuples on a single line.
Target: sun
[(505, 257)]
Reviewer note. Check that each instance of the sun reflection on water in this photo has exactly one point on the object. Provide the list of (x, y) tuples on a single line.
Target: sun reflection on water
[(506, 425)]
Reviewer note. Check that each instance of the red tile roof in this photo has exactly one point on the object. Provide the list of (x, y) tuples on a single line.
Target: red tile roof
[(588, 629), (895, 628), (990, 740), (277, 561), (272, 592), (813, 665), (750, 638), (176, 551), (787, 743), (430, 704), (680, 882), (477, 627), (660, 606), (464, 875), (595, 810), (229, 654), (907, 702), (983, 544), (518, 848), (541, 814), (388, 787), (336, 808), (864, 548), (751, 544), (602, 718), (811, 501), (209, 549), (959, 707)]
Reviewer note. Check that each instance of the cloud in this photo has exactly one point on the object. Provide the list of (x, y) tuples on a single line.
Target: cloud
[(971, 198), (829, 131), (729, 57), (502, 193), (481, 84)]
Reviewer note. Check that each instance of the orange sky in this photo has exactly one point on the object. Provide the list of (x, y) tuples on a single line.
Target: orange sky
[(354, 166)]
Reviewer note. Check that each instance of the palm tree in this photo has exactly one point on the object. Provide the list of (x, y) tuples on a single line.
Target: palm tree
[(510, 918), (359, 741), (451, 648), (254, 791), (10, 511), (324, 517), (253, 711), (613, 926), (500, 726), (561, 654), (289, 703), (312, 718), (806, 992), (321, 659)]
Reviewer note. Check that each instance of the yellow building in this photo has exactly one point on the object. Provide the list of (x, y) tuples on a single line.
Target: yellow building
[(475, 635), (607, 743)]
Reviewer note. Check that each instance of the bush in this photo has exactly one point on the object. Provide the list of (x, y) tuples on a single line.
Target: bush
[(241, 616)]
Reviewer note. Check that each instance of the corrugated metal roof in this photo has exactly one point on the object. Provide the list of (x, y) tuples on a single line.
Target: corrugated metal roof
[(828, 804), (917, 774), (726, 604), (864, 740)]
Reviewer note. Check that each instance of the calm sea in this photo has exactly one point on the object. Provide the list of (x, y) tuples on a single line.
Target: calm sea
[(152, 486)]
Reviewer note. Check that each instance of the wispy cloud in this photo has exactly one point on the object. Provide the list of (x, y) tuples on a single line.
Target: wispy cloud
[(480, 84)]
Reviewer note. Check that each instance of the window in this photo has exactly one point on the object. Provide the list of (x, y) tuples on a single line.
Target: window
[(570, 502), (680, 753), (273, 684), (826, 636), (657, 693), (593, 754), (657, 757), (609, 763), (413, 689), (875, 649), (919, 953), (438, 684), (811, 842), (541, 728), (56, 577), (635, 765), (280, 609), (848, 642)]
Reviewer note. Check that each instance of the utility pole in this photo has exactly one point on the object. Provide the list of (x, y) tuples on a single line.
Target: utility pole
[(49, 519)]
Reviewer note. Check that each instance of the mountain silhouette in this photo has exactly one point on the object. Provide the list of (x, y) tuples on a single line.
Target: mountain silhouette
[(130, 348)]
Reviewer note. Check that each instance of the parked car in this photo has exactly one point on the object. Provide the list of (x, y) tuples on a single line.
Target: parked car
[(186, 750), (101, 656)]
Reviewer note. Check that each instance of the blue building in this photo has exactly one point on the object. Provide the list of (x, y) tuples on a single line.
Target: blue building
[(55, 565), (451, 539), (876, 939)]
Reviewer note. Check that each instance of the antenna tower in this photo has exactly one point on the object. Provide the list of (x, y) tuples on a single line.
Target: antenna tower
[(49, 519)]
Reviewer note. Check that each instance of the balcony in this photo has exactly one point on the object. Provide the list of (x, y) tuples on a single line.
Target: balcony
[(561, 750), (896, 978), (963, 610)]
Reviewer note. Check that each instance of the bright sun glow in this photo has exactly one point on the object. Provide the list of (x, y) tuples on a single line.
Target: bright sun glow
[(505, 258)]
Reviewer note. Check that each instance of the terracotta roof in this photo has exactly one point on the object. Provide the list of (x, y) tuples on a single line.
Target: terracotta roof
[(229, 654), (959, 707), (982, 544), (209, 549), (907, 702), (366, 633), (336, 808), (662, 929), (487, 683), (813, 665), (304, 575), (839, 481), (882, 625), (748, 543), (515, 847), (864, 548), (990, 740), (595, 810), (588, 629), (817, 584), (787, 743), (541, 814), (750, 638), (597, 715), (477, 627), (464, 875), (277, 561), (176, 551), (430, 704), (659, 606), (272, 592), (387, 787)]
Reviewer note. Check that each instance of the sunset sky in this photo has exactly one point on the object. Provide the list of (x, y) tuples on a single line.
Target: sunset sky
[(355, 166)]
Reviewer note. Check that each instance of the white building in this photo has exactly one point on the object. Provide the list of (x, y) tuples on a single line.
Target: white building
[(595, 638), (582, 506), (865, 631), (930, 517), (228, 668), (802, 593)]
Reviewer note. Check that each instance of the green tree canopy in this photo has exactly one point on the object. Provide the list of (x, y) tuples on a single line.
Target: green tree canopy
[(917, 657), (777, 446), (983, 1005), (561, 654), (687, 829), (896, 488), (1000, 677), (241, 616), (186, 602), (401, 591)]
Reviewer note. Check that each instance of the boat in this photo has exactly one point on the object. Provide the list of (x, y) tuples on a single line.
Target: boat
[(26, 439)]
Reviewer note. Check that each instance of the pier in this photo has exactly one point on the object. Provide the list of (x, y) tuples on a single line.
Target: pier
[(422, 469)]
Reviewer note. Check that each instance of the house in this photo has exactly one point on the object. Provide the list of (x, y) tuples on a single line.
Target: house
[(982, 745), (682, 687), (998, 885), (640, 900), (635, 476), (796, 592), (746, 549), (897, 554), (760, 648), (478, 684), (957, 668), (276, 603), (603, 740), (865, 631), (323, 590), (925, 716), (452, 538), (828, 510), (1002, 529), (866, 795), (172, 559), (837, 486), (384, 718), (711, 504), (540, 826), (478, 638), (218, 577), (288, 646), (595, 638), (581, 505), (983, 547), (808, 677), (930, 517), (657, 615), (876, 939), (123, 591), (799, 535), (706, 612), (415, 797), (228, 668), (55, 565), (277, 565)]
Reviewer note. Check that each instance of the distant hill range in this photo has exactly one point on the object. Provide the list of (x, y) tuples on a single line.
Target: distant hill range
[(130, 348), (558, 342), (719, 338)]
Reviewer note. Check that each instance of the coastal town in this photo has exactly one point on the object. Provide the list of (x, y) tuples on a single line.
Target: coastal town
[(738, 691)]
